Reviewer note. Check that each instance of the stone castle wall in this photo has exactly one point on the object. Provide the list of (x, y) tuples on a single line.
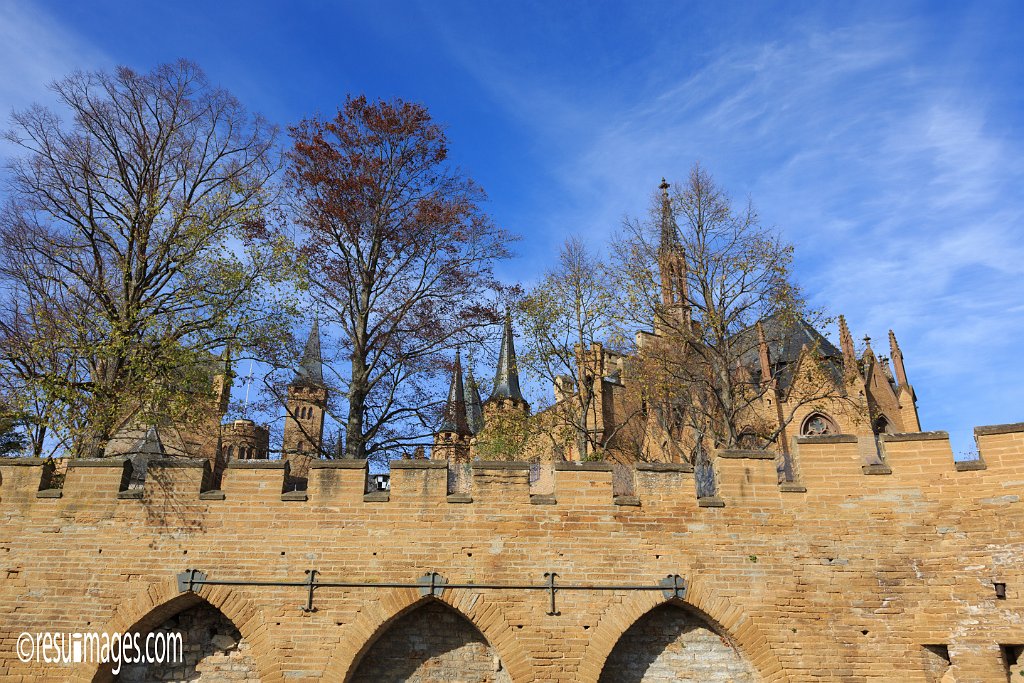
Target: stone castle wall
[(851, 573)]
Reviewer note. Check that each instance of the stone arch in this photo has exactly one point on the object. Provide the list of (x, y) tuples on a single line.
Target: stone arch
[(727, 620), (379, 615), (156, 603)]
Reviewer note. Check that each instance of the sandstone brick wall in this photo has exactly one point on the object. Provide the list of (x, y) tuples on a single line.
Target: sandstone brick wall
[(846, 574)]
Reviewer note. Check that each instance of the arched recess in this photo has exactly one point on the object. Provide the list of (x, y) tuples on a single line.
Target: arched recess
[(674, 642), (379, 615), (718, 613), (156, 604)]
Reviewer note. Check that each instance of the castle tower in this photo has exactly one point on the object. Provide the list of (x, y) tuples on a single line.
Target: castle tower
[(672, 266), (307, 401), (506, 394), (452, 440), (245, 440)]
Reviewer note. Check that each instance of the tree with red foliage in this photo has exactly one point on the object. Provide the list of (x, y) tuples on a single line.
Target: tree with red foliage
[(398, 258)]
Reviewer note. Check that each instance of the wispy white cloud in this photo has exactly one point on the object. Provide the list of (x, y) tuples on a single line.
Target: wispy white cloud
[(902, 199), (35, 50)]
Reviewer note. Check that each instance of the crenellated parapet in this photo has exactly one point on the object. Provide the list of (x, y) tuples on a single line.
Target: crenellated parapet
[(825, 466)]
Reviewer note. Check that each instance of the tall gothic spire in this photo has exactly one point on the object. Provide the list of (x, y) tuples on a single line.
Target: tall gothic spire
[(669, 238), (311, 368), (454, 417), (671, 261), (506, 377)]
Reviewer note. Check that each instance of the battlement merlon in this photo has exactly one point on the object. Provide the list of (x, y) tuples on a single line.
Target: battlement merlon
[(919, 464)]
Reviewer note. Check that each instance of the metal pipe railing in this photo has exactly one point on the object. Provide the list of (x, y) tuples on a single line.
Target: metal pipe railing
[(431, 584)]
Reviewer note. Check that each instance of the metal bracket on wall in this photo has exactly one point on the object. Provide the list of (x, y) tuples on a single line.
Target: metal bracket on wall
[(550, 576), (189, 579), (432, 584), (311, 582), (675, 587)]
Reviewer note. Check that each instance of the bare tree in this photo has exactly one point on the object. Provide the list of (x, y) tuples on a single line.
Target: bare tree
[(398, 257), (731, 325), (130, 245), (564, 316)]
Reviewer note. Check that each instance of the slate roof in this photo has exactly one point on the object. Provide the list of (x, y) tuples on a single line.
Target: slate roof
[(311, 368), (786, 336)]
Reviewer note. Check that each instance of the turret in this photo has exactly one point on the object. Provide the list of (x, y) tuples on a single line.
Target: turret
[(474, 406), (452, 440), (307, 401), (506, 393)]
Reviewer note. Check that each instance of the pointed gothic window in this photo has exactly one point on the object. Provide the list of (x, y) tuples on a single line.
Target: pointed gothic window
[(882, 425)]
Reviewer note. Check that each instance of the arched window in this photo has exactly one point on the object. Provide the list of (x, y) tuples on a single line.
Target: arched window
[(818, 424), (231, 452)]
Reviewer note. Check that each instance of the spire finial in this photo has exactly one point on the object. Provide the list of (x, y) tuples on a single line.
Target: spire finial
[(869, 353)]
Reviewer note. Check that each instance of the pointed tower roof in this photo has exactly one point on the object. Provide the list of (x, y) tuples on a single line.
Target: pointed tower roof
[(311, 368), (506, 377), (474, 406), (454, 417)]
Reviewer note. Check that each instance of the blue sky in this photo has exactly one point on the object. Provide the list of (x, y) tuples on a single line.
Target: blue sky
[(884, 139)]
